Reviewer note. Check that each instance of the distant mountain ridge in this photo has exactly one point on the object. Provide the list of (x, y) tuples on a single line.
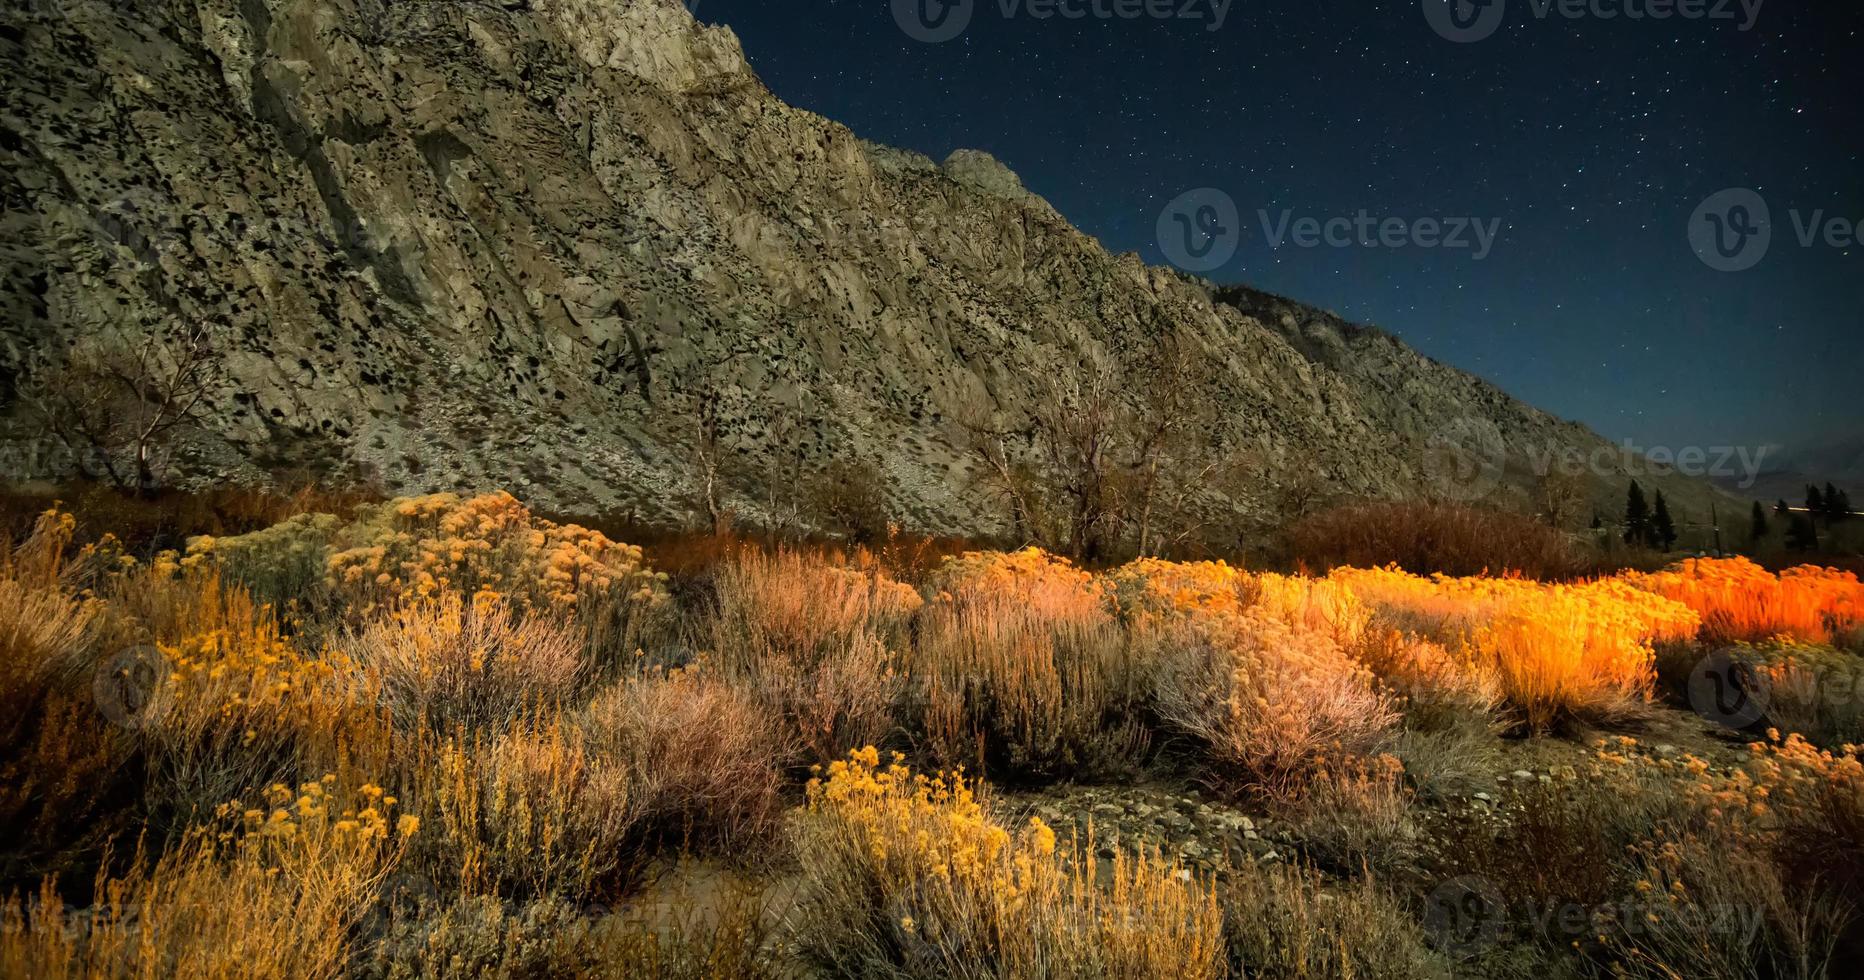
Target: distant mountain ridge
[(494, 244)]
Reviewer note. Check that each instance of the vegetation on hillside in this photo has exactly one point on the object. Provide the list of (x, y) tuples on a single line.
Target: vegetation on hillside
[(443, 736)]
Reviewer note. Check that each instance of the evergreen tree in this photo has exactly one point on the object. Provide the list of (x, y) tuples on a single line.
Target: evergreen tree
[(1637, 517), (1802, 535), (1831, 503), (1662, 528), (1758, 528), (1815, 501), (1781, 508), (1842, 510)]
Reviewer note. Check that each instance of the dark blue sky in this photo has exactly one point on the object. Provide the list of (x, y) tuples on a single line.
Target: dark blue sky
[(1592, 142)]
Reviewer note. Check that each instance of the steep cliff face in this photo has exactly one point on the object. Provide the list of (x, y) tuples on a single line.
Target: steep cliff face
[(472, 244)]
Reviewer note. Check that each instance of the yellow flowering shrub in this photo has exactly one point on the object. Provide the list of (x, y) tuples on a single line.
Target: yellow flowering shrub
[(531, 813), (420, 547), (1740, 601), (907, 875), (1021, 664), (270, 887)]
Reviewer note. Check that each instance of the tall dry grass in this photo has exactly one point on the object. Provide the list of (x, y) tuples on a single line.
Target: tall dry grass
[(819, 643), (1022, 669), (705, 758), (475, 663)]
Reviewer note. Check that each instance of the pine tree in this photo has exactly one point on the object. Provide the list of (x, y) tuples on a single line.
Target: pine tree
[(1781, 508), (1662, 528), (1757, 531), (1802, 535), (1842, 510), (1637, 517), (1815, 501), (1831, 503)]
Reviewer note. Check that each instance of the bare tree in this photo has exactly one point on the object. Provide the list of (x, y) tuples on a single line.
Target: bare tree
[(116, 407), (1560, 495), (993, 442)]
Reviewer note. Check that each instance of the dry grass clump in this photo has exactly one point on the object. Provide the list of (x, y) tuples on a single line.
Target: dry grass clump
[(818, 643), (1740, 601), (705, 758), (907, 876), (267, 889), (476, 663), (1287, 923), (1022, 667)]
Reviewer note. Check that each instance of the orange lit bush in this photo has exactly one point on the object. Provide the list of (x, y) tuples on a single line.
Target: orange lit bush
[(1022, 665), (1557, 651), (1740, 601)]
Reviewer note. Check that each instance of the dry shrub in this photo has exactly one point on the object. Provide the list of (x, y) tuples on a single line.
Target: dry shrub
[(1287, 923), (271, 890), (1763, 877), (1563, 848), (1812, 691), (223, 701), (486, 938), (1430, 538), (818, 643), (1270, 704), (1740, 601), (1435, 692), (1253, 667), (533, 813), (57, 763), (1355, 813), (704, 758), (1023, 668), (907, 876), (483, 937), (478, 663)]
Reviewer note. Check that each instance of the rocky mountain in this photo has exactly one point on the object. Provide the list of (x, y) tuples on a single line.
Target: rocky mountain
[(550, 245)]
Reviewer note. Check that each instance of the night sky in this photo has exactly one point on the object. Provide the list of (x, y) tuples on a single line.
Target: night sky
[(1592, 141)]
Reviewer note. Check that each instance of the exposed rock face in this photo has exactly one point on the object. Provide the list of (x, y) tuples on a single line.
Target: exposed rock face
[(491, 244)]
